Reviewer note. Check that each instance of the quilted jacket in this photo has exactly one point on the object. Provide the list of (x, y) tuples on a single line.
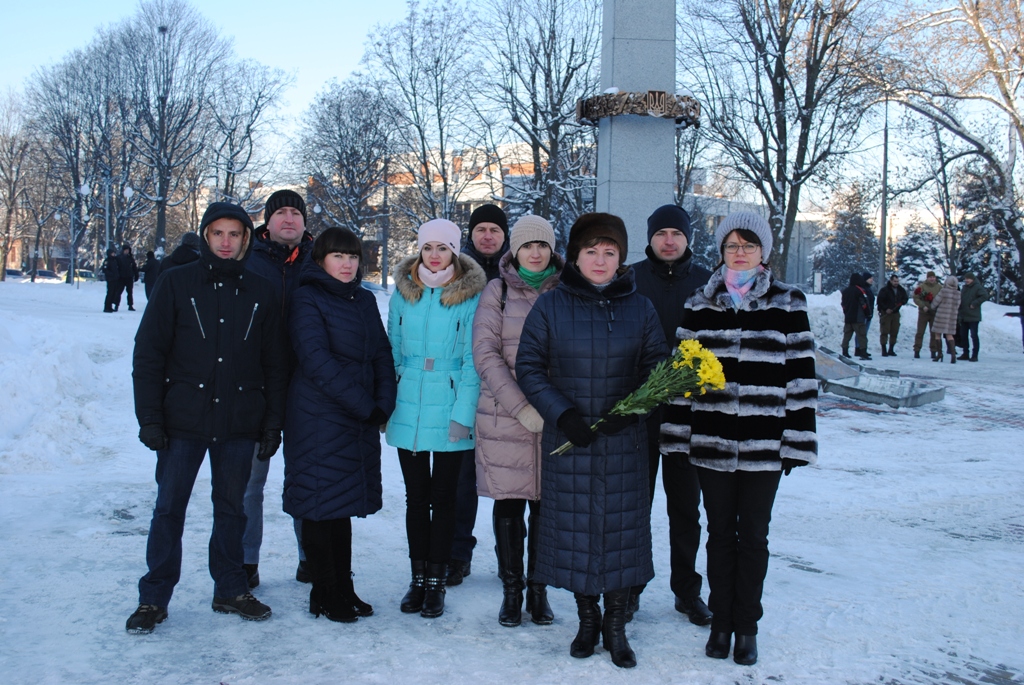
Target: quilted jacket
[(345, 370), (586, 348)]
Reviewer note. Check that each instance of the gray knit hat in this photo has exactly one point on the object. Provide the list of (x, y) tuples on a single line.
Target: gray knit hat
[(747, 221), (529, 229)]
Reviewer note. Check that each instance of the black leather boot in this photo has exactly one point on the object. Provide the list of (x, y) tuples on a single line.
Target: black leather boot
[(892, 352), (508, 538), (348, 592), (951, 348), (590, 626), (413, 600), (433, 599), (614, 629), (633, 604), (537, 604), (718, 644), (324, 597), (745, 651)]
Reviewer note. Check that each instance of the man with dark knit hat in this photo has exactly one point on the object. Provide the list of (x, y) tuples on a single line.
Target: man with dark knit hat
[(209, 373), (666, 278), (282, 246), (486, 242)]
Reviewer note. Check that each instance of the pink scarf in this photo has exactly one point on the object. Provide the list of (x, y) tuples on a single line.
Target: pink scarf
[(739, 283), (435, 280)]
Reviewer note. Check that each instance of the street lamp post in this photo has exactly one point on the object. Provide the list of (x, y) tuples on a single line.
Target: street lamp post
[(885, 193)]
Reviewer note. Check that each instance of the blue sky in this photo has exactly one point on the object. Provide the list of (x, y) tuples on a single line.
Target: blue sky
[(314, 40)]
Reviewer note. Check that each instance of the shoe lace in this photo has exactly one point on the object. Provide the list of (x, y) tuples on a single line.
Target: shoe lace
[(147, 609), (247, 597)]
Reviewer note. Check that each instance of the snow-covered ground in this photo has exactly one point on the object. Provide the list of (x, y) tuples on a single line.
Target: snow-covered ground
[(898, 559)]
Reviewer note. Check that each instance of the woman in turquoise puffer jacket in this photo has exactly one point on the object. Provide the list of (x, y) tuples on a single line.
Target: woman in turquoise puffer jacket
[(430, 324)]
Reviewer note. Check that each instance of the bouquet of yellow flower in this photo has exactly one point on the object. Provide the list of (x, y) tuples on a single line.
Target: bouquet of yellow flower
[(690, 369)]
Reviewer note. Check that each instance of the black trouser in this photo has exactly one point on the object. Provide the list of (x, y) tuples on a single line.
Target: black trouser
[(430, 502), (128, 285), (682, 500), (739, 509), (328, 547), (466, 502), (969, 335), (113, 298)]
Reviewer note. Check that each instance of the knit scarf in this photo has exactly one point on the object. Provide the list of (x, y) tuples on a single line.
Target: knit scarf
[(738, 283), (534, 279), (435, 280)]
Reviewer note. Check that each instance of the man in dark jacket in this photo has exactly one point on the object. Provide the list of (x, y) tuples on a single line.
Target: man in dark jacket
[(891, 299), (112, 277), (150, 272), (486, 242), (972, 296), (187, 251), (282, 246), (855, 316), (666, 278), (129, 271), (209, 374), (925, 291)]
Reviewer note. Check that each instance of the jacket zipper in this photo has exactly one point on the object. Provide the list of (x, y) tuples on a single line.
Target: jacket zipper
[(251, 319), (196, 310)]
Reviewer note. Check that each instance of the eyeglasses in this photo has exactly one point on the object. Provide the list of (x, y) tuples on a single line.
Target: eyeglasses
[(748, 248)]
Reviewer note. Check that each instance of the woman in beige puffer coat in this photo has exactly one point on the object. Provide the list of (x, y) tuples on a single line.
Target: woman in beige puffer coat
[(946, 305), (508, 428)]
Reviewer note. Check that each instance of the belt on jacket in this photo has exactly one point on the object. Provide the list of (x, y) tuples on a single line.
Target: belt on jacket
[(432, 364)]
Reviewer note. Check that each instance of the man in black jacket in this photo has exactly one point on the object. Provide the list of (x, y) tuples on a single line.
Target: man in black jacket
[(667, 277), (112, 277), (129, 271), (855, 317), (209, 374), (187, 251), (891, 299), (282, 246)]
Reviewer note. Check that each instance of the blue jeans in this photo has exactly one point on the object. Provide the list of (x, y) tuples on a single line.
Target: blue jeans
[(252, 540), (466, 501), (176, 471)]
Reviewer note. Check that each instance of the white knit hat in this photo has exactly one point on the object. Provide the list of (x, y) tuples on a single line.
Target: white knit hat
[(530, 229), (439, 231), (748, 221)]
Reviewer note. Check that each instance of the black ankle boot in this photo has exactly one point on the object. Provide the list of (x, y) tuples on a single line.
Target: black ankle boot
[(329, 602), (590, 626), (508, 537), (433, 599), (413, 600), (718, 644), (537, 604), (745, 652), (614, 629)]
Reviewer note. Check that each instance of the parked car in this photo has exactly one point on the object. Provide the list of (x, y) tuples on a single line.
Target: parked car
[(13, 273), (85, 275), (47, 276)]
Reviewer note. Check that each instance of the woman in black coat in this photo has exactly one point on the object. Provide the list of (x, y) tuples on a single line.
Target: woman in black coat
[(744, 437), (342, 392), (585, 345)]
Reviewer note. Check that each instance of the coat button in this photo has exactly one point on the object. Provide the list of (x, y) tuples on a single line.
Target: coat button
[(215, 439), (222, 320), (216, 399), (239, 388), (201, 385), (220, 359)]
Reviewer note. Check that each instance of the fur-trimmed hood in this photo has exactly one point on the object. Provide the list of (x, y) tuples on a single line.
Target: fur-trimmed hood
[(463, 288)]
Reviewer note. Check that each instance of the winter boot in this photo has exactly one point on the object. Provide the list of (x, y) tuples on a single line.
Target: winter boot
[(246, 606), (433, 599), (537, 604), (633, 605), (885, 350), (457, 572), (745, 651), (846, 352), (917, 354), (301, 573), (144, 619), (861, 354), (413, 601), (342, 539), (937, 355), (965, 356), (348, 593), (614, 629), (508, 537), (892, 352), (952, 351), (324, 596), (590, 626)]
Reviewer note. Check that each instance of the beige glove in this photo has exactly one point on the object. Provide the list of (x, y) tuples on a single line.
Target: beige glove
[(531, 419)]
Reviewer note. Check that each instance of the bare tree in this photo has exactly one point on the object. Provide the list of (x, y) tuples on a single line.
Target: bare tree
[(778, 84), (15, 146)]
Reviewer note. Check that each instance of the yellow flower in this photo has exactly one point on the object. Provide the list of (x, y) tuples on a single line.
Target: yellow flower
[(687, 393)]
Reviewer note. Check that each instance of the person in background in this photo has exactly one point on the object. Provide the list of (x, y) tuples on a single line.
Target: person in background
[(666, 278), (486, 243), (891, 298), (150, 272), (971, 298), (508, 441), (430, 325), (341, 393), (946, 306), (855, 316), (112, 278), (129, 273), (925, 291), (744, 437), (282, 249), (186, 251)]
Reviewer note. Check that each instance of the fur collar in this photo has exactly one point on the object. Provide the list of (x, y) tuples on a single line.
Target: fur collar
[(765, 293), (463, 288)]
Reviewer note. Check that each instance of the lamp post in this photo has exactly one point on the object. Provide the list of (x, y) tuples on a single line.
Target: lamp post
[(885, 193)]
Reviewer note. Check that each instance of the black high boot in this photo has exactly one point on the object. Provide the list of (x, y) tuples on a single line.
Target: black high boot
[(885, 349), (589, 611), (433, 600), (508, 538), (413, 600), (537, 604), (343, 568), (324, 597), (892, 352), (614, 630), (951, 348)]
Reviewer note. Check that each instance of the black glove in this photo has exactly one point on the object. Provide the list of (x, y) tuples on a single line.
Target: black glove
[(152, 436), (575, 428), (269, 443), (614, 423), (789, 464), (377, 417)]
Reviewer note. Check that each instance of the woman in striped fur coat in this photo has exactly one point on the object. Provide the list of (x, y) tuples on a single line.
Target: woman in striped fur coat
[(743, 438)]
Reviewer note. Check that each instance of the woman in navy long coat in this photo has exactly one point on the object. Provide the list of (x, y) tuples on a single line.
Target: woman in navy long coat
[(342, 392), (586, 345)]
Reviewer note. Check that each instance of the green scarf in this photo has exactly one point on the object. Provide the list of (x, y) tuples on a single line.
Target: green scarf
[(535, 279)]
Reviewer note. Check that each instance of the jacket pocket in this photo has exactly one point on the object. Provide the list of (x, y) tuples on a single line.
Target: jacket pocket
[(186, 404), (248, 408)]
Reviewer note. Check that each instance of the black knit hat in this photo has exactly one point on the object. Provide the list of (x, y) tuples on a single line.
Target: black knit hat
[(491, 214), (597, 225), (224, 210), (669, 216), (284, 198)]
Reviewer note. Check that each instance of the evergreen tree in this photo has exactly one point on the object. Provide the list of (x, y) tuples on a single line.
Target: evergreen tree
[(847, 243), (985, 246), (919, 251)]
